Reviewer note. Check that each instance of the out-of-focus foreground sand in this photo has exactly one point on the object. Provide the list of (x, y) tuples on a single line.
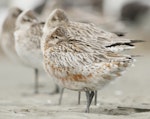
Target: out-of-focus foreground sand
[(125, 98)]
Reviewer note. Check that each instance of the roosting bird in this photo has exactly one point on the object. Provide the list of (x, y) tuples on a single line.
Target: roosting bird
[(7, 34), (82, 57), (28, 36)]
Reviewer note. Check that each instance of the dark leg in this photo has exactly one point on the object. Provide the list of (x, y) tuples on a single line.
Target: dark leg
[(61, 94), (79, 97), (95, 101), (36, 90), (57, 90), (89, 96)]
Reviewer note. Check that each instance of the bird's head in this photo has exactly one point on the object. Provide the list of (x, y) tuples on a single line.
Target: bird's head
[(26, 18), (9, 22), (57, 18), (56, 36)]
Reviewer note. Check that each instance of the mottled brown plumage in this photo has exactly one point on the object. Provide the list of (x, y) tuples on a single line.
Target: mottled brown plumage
[(81, 56), (77, 50)]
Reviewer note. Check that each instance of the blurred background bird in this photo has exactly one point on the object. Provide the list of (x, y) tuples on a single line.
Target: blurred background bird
[(28, 36), (7, 34), (27, 42), (136, 16)]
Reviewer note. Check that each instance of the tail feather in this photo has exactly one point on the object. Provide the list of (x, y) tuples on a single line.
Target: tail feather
[(137, 41), (136, 55), (120, 34)]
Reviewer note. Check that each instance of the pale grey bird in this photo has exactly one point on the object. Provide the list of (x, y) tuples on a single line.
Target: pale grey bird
[(28, 36), (81, 56), (133, 12), (7, 34), (135, 15)]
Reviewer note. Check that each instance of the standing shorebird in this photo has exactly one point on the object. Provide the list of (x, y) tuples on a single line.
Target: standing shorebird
[(81, 56), (27, 42), (7, 34), (28, 36)]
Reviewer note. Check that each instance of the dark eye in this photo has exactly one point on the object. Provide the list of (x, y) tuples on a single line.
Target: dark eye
[(26, 20), (14, 15), (54, 19), (56, 37)]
